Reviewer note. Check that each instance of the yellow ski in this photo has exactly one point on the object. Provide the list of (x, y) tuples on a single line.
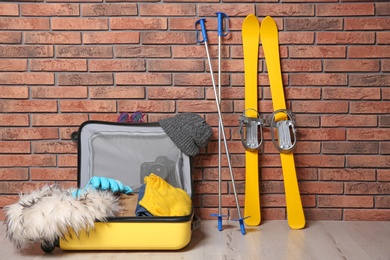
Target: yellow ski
[(250, 40), (283, 119)]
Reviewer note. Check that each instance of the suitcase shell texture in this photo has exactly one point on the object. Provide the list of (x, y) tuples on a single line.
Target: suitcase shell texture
[(128, 152)]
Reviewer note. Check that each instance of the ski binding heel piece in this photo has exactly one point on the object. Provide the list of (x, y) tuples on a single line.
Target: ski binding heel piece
[(287, 135), (253, 126)]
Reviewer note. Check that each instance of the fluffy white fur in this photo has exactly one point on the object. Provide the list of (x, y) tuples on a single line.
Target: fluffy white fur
[(47, 214)]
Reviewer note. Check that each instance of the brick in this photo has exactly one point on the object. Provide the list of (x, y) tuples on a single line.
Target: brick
[(28, 106), (186, 79), (117, 92), (384, 148), (202, 106), (9, 10), (10, 147), (175, 65), (26, 51), (84, 52), (50, 9), (135, 23), (77, 24), (230, 66), (351, 93), (321, 134), (52, 37), (272, 213), (58, 65), (229, 120), (349, 120), (307, 120), (371, 23), (345, 37), (14, 120), (285, 10), (321, 187), (300, 65), (314, 24), (317, 51), (227, 93), (147, 106), (66, 132), (187, 23), (13, 92), (370, 107), (58, 119), (327, 161), (345, 201), (367, 214), (368, 161), (384, 120), (382, 9), (25, 23), (117, 9), (212, 174), (53, 174), (142, 51), (367, 188), (13, 65), (21, 187), (369, 80), (59, 92), (175, 93), (6, 200), (347, 174), (80, 79), (143, 78), (318, 79), (117, 65), (386, 65), (67, 160), (26, 160), (111, 37), (109, 117), (345, 9), (232, 9), (29, 133), (10, 37), (167, 9), (375, 134), (369, 52), (168, 37), (347, 65), (296, 37), (18, 78), (350, 148), (383, 37), (88, 106), (320, 107), (323, 214), (382, 202), (53, 147)]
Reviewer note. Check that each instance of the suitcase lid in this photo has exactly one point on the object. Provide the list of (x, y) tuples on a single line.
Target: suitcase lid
[(129, 152)]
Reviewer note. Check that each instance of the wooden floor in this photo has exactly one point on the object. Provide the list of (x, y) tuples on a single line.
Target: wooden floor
[(328, 240)]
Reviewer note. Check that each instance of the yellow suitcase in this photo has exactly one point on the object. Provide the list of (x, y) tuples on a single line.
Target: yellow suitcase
[(128, 152)]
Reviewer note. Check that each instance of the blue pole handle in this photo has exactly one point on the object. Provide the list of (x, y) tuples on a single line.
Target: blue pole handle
[(201, 22), (223, 30)]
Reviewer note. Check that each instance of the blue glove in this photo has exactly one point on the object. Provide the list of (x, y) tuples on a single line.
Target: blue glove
[(103, 183)]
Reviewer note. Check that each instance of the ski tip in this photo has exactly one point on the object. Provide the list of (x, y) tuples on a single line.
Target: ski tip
[(268, 21), (250, 20)]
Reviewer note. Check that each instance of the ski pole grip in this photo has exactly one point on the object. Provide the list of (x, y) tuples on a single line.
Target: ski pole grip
[(221, 17), (201, 22)]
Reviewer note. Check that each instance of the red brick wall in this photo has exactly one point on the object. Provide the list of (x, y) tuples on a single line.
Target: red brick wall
[(64, 62)]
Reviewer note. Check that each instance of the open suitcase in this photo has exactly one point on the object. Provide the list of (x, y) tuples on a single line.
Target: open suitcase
[(129, 152)]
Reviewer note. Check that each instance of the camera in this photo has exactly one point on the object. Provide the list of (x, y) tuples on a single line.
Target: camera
[(162, 167)]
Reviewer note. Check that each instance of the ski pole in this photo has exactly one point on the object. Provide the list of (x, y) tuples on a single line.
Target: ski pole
[(201, 22), (223, 30)]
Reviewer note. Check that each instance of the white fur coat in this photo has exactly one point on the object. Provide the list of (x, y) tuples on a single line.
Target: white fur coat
[(47, 214)]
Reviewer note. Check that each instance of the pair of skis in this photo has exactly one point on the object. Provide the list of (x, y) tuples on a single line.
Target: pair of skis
[(281, 119)]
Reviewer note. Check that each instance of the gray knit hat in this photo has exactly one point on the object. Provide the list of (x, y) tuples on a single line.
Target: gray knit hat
[(188, 131)]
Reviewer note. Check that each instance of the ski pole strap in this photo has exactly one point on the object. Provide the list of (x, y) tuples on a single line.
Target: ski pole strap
[(287, 135), (201, 22), (254, 129), (223, 30)]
